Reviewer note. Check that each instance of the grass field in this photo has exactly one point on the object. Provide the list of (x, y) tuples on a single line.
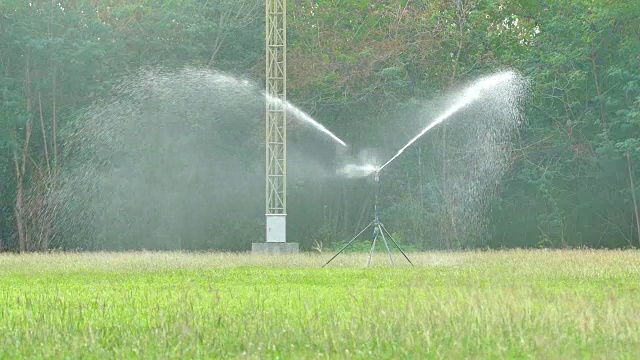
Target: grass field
[(506, 304)]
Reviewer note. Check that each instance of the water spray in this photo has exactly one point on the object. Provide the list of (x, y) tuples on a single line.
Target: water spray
[(468, 96), (303, 116)]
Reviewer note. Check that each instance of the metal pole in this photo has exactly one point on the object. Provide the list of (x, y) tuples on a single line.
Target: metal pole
[(387, 246), (349, 243), (398, 246), (373, 244)]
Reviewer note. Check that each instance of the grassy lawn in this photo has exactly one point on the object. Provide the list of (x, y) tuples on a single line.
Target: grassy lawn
[(506, 304)]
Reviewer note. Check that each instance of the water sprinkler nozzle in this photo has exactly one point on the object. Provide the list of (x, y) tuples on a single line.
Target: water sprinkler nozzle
[(376, 175)]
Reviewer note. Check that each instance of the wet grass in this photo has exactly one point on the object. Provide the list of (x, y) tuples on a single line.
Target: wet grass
[(508, 304)]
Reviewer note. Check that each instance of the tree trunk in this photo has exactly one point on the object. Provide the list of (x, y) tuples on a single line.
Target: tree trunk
[(44, 136), (420, 227), (54, 125), (633, 196), (603, 116), (20, 164), (22, 241)]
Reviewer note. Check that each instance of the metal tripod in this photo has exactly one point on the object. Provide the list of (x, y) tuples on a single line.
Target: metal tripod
[(378, 229)]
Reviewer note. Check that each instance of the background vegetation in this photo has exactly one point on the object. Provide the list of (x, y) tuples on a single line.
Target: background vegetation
[(357, 66)]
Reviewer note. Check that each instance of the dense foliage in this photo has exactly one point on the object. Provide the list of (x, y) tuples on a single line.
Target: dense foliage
[(358, 67)]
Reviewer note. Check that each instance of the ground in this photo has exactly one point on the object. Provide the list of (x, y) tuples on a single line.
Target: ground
[(501, 304)]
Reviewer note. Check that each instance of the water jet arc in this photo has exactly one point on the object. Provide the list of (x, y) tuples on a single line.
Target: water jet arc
[(470, 95), (301, 115)]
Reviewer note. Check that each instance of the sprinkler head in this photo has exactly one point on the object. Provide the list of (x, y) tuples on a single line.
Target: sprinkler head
[(376, 175)]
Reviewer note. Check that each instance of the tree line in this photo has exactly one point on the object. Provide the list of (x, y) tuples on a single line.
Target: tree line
[(359, 67)]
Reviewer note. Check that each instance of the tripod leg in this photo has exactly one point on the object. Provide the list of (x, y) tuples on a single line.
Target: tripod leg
[(387, 246), (398, 246), (373, 246), (349, 243)]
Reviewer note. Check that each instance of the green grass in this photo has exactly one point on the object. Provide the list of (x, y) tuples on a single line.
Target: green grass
[(507, 304)]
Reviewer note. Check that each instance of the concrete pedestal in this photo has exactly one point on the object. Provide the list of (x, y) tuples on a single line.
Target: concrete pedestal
[(274, 248)]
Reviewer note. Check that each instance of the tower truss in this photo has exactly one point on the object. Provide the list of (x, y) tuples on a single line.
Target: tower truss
[(276, 120)]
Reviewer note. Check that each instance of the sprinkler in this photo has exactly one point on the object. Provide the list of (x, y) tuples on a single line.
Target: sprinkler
[(378, 229)]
